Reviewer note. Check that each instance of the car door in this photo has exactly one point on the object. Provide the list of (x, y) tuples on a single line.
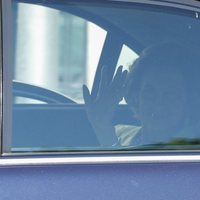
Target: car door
[(49, 148)]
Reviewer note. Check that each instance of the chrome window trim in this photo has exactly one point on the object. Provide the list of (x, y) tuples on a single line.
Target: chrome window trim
[(97, 159)]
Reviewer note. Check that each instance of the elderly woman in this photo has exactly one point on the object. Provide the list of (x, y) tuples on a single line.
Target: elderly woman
[(161, 89)]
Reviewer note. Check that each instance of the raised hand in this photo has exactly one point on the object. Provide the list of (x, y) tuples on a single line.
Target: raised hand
[(100, 111)]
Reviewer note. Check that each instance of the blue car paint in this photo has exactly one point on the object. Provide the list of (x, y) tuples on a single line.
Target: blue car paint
[(96, 182)]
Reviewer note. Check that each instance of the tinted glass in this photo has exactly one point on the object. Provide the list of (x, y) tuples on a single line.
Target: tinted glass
[(69, 93)]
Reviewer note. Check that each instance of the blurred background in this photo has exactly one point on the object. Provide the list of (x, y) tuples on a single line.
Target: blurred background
[(57, 50)]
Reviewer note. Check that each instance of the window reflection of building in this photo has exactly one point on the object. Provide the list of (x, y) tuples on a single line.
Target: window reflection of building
[(72, 58), (50, 49)]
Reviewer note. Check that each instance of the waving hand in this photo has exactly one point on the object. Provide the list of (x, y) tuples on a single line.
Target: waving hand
[(100, 111)]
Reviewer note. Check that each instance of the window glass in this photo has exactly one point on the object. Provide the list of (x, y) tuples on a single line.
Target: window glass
[(126, 57), (69, 93), (55, 50)]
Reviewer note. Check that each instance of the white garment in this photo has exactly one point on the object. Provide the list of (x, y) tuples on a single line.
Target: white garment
[(126, 134), (130, 135)]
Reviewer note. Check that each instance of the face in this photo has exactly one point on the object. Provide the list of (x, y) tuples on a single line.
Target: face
[(161, 101)]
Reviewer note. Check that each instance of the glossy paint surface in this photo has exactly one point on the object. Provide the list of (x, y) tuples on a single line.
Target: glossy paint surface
[(118, 181)]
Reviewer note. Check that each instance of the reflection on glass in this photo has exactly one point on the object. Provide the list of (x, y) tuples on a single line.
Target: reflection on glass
[(55, 50), (161, 89), (127, 57)]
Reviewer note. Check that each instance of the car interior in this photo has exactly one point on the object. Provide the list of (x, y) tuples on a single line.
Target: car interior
[(59, 122)]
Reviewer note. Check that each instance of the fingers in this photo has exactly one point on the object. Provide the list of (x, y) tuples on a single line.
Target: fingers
[(86, 95), (119, 80), (103, 80), (123, 83), (118, 75), (116, 84), (124, 76), (108, 90)]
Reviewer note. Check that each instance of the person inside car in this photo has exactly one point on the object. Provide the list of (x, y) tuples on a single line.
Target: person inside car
[(160, 89)]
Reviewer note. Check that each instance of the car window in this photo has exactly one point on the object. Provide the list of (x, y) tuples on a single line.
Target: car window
[(126, 58), (66, 91), (60, 55)]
